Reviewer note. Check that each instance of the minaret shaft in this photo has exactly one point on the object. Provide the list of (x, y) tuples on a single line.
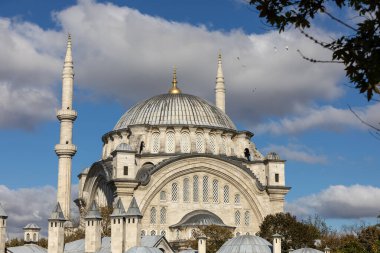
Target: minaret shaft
[(220, 90), (65, 149)]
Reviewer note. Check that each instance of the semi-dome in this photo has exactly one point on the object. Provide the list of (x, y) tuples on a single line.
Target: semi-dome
[(199, 218), (175, 109), (246, 244)]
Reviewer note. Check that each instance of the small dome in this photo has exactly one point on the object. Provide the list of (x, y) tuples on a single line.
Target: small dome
[(124, 147), (175, 109), (246, 244), (306, 250), (143, 250), (200, 218), (32, 226), (189, 250), (273, 156)]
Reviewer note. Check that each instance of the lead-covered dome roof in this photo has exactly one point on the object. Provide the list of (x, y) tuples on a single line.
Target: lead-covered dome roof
[(175, 109), (246, 244)]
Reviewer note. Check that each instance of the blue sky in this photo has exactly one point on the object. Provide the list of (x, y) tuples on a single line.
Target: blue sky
[(124, 52)]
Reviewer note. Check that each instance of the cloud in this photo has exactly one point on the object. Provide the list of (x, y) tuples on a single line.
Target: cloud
[(297, 153), (339, 201), (326, 117), (30, 205), (125, 55)]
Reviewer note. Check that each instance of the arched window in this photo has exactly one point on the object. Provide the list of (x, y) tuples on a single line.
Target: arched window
[(155, 142), (205, 189), (163, 196), (246, 218), (237, 199), (153, 214), (186, 190), (195, 188), (177, 234), (28, 237), (226, 194), (143, 233), (174, 192), (200, 143), (215, 191), (213, 143), (163, 232), (237, 218), (170, 142), (163, 215), (185, 142), (238, 234), (247, 233), (34, 237), (153, 232), (223, 145), (193, 233)]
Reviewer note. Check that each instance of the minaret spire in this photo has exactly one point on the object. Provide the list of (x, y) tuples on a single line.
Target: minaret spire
[(65, 150), (174, 89), (220, 90)]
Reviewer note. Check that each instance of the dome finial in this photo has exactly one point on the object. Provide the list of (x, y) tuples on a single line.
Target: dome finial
[(174, 89)]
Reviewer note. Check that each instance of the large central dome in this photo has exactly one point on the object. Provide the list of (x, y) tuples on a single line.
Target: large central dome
[(175, 109)]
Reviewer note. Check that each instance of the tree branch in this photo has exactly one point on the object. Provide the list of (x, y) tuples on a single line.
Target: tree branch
[(339, 21), (316, 61), (364, 122)]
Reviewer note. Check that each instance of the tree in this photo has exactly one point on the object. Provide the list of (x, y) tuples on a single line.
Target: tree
[(105, 212), (295, 233), (216, 237), (358, 49), (369, 238)]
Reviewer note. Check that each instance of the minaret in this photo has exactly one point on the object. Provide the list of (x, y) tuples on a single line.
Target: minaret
[(56, 231), (65, 150), (133, 225), (3, 229), (118, 228), (220, 90), (93, 232)]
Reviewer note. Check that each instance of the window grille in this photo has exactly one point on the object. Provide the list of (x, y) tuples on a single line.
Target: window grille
[(163, 215), (155, 142), (195, 188), (223, 146), (199, 143), (213, 144), (163, 196), (153, 232), (247, 233), (174, 192), (193, 233), (170, 142), (142, 232), (237, 218), (215, 191), (163, 232), (177, 234), (153, 214), (186, 191), (185, 142), (246, 218), (205, 189), (226, 194), (237, 199)]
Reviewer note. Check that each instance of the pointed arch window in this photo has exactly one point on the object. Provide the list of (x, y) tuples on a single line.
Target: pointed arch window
[(195, 188), (185, 142), (205, 189), (143, 233), (223, 145), (237, 218), (237, 199), (174, 192), (153, 215), (213, 143), (163, 215), (200, 143), (153, 232), (186, 190), (170, 142), (163, 196), (215, 191), (246, 218), (155, 142), (226, 194)]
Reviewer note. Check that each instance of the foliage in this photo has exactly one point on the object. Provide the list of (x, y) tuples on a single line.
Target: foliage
[(43, 242), (369, 238), (216, 237), (14, 242), (296, 234), (105, 212), (75, 234), (358, 49)]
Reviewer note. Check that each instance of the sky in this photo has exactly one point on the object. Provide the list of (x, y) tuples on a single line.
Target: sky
[(124, 52)]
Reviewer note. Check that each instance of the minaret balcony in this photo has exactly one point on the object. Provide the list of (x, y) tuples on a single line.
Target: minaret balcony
[(65, 149), (66, 114)]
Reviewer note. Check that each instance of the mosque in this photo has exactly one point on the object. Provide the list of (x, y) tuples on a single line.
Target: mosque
[(172, 163)]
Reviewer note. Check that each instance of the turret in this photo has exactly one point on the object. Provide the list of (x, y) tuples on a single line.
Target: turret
[(65, 150), (276, 243), (56, 230), (133, 225), (3, 228), (118, 228), (202, 240), (220, 90), (31, 233), (93, 232), (124, 165)]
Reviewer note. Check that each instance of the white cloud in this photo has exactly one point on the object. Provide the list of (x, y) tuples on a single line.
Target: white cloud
[(30, 205), (339, 201), (297, 152), (123, 54), (327, 117)]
